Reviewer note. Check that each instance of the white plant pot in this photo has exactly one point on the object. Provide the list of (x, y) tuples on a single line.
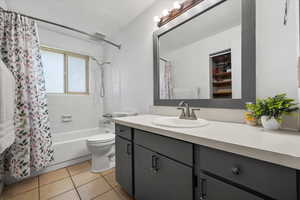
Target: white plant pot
[(270, 124)]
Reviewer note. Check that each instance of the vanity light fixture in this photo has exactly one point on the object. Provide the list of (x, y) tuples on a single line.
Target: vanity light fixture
[(177, 5), (156, 19), (178, 9), (165, 12)]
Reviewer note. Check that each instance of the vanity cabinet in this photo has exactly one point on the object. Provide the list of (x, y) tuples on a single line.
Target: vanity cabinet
[(124, 160), (150, 166)]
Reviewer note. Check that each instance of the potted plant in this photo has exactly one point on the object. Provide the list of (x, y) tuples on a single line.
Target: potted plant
[(271, 110)]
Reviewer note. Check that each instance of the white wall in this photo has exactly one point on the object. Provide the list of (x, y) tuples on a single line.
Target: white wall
[(277, 48), (191, 63), (130, 80), (3, 4), (85, 109)]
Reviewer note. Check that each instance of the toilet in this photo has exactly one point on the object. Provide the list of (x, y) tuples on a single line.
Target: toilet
[(102, 150), (102, 146)]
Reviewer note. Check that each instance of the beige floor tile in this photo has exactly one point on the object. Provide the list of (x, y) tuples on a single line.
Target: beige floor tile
[(122, 193), (71, 195), (93, 189), (56, 188), (30, 195), (108, 171), (81, 167), (53, 176), (20, 187), (111, 195), (84, 177), (111, 179)]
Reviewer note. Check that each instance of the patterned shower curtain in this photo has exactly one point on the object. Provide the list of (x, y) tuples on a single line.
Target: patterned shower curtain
[(20, 51), (166, 81)]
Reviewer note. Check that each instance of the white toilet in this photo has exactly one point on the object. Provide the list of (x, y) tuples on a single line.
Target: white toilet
[(102, 149)]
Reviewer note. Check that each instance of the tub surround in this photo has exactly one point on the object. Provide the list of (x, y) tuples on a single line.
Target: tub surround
[(278, 147)]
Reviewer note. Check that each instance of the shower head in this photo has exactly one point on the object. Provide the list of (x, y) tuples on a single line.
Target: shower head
[(97, 61)]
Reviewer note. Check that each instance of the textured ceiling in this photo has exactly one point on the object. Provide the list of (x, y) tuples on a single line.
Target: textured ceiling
[(104, 16)]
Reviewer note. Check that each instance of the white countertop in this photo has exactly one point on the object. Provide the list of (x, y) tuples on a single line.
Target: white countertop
[(278, 147)]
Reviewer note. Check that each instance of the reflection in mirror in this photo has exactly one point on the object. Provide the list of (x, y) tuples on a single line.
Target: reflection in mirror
[(201, 59)]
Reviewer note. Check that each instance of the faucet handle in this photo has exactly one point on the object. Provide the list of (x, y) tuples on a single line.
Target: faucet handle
[(193, 114), (181, 103), (182, 115)]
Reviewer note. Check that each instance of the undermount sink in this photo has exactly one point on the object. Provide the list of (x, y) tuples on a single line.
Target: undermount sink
[(175, 122)]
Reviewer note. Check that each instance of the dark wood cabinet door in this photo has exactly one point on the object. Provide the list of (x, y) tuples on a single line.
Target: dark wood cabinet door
[(160, 178), (213, 189), (124, 169)]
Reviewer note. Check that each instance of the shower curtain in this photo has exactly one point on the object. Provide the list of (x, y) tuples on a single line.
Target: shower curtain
[(166, 82), (20, 52)]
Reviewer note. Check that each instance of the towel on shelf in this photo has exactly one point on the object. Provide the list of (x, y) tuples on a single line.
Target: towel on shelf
[(7, 98)]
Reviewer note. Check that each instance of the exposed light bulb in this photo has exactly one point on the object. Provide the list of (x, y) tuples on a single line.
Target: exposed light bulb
[(177, 5), (165, 12), (156, 19)]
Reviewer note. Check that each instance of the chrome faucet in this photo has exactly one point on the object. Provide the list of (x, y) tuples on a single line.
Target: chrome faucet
[(187, 113)]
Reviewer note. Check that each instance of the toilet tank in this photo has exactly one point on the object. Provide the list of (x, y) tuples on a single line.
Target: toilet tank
[(106, 120)]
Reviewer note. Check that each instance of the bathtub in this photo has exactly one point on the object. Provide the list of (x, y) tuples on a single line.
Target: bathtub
[(70, 147)]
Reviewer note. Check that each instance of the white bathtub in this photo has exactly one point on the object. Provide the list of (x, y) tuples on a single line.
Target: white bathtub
[(71, 146)]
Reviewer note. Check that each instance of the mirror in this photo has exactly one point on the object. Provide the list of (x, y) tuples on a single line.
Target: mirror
[(203, 57)]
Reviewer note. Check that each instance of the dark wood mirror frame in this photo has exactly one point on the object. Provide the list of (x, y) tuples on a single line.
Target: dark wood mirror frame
[(248, 57)]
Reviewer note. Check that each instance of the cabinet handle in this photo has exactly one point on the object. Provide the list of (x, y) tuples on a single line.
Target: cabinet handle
[(235, 170), (154, 166), (203, 194), (153, 162), (128, 149)]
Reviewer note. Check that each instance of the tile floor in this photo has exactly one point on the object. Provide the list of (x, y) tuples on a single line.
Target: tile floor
[(71, 183)]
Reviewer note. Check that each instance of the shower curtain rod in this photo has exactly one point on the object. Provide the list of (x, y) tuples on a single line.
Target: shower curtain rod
[(69, 28)]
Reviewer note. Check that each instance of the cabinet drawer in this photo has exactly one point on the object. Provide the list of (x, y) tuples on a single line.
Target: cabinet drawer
[(176, 149), (123, 131), (271, 180), (213, 189)]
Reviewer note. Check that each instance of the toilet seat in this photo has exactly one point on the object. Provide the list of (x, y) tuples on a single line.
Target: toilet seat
[(101, 138)]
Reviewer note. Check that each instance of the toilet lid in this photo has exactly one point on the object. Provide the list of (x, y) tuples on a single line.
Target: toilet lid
[(101, 138)]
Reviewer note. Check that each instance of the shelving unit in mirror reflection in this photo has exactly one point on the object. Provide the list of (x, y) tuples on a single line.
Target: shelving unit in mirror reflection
[(221, 74)]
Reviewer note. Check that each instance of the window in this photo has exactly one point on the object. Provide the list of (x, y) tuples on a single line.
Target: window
[(65, 72)]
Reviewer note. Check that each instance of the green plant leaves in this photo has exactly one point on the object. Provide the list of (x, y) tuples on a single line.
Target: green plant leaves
[(276, 107)]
